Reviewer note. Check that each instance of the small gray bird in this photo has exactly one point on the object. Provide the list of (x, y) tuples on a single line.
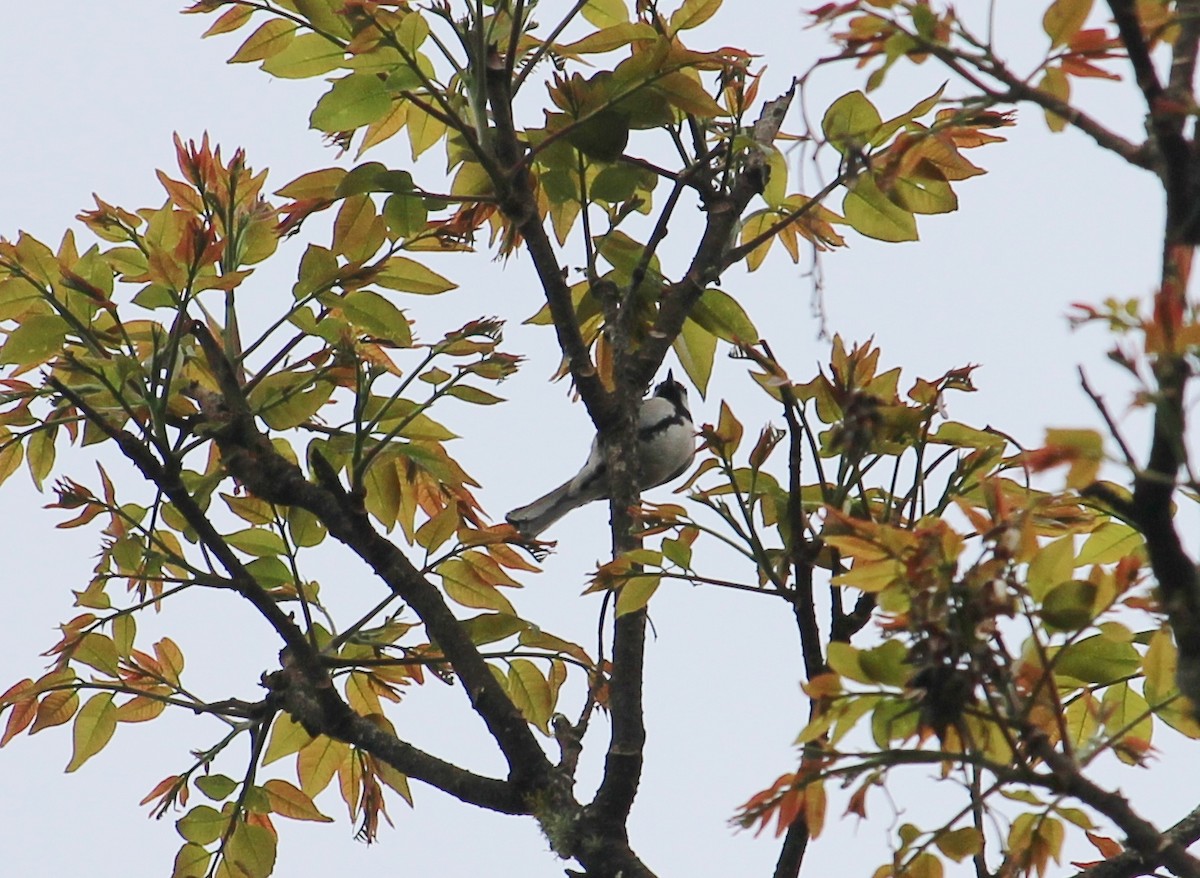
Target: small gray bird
[(666, 444)]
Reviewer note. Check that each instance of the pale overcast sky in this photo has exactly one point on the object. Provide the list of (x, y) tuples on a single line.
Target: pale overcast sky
[(94, 91)]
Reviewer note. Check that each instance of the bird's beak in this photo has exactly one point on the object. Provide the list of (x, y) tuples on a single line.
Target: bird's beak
[(670, 376)]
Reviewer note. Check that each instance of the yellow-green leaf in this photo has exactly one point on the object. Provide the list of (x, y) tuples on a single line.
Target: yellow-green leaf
[(216, 786), (203, 824), (191, 862), (850, 121), (99, 652), (636, 593), (1054, 563), (871, 213), (464, 586), (287, 737), (696, 348), (252, 850), (845, 659), (720, 314), (410, 276), (1055, 83), (1063, 19), (94, 727), (958, 844), (1108, 543), (307, 55), (693, 13), (379, 317), (257, 541), (606, 13), (318, 763), (271, 38), (353, 101), (34, 340), (530, 692)]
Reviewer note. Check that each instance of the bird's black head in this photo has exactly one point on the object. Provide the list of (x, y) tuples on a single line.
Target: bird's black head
[(674, 392)]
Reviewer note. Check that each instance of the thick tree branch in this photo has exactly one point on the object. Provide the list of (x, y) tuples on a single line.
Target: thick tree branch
[(167, 479), (791, 855), (1167, 110), (709, 260), (250, 457), (1131, 862), (1067, 779), (315, 705), (520, 207), (336, 717)]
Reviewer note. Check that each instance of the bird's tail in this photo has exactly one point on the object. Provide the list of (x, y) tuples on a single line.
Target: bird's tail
[(531, 520)]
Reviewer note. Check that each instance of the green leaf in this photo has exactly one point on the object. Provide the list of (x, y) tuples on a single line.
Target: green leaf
[(406, 215), (1069, 605), (886, 663), (606, 13), (846, 660), (492, 627), (529, 691), (191, 862), (257, 541), (288, 399), (34, 340), (94, 727), (688, 95), (307, 55), (720, 314), (99, 652), (1098, 659), (305, 528), (1110, 542), (925, 195), (374, 177), (40, 452), (269, 39), (412, 31), (354, 101), (124, 632), (696, 348), (409, 276), (871, 213), (636, 593), (850, 121), (962, 436), (602, 136), (692, 13), (318, 271), (473, 395), (252, 849), (216, 786), (323, 15), (1054, 563), (1126, 715), (379, 317)]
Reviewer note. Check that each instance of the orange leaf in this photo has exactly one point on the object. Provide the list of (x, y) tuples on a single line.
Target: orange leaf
[(19, 719), (1107, 846), (289, 801), (163, 787)]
